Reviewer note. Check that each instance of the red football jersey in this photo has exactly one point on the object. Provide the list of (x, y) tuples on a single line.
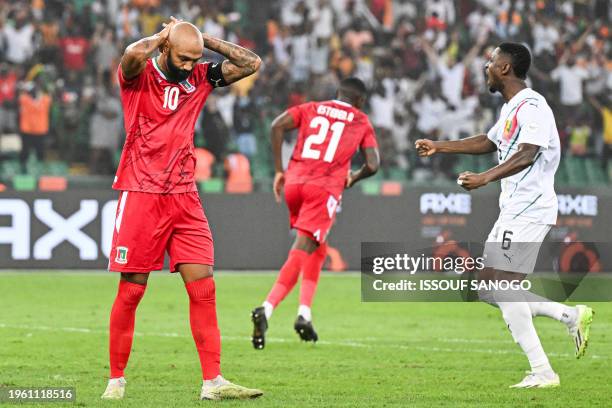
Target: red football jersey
[(330, 133), (160, 116)]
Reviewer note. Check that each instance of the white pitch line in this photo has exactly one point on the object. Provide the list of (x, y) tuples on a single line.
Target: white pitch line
[(349, 343)]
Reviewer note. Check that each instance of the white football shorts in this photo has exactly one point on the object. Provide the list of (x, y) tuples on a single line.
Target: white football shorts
[(513, 245)]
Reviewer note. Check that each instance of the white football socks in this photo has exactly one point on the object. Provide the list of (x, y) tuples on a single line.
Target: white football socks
[(268, 309), (305, 312), (517, 316), (215, 382), (540, 306)]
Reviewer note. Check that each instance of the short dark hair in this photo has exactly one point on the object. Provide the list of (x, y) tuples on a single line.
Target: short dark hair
[(353, 88), (520, 57)]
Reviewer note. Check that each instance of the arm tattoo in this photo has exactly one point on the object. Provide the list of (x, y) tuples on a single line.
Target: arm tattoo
[(136, 54), (145, 46), (241, 62)]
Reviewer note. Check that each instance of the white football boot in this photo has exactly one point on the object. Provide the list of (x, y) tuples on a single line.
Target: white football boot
[(115, 390), (548, 379), (581, 328), (219, 389)]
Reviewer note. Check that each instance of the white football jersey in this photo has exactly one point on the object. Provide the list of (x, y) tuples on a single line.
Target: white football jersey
[(530, 194)]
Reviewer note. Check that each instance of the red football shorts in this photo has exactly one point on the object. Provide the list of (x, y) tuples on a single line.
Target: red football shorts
[(147, 225), (312, 209)]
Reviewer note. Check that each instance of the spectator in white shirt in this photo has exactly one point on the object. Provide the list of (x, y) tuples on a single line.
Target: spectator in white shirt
[(480, 21), (280, 44), (570, 77), (545, 36), (292, 12), (319, 55), (598, 75), (429, 107), (382, 102), (451, 72), (105, 127), (19, 39), (300, 54), (404, 8), (322, 18)]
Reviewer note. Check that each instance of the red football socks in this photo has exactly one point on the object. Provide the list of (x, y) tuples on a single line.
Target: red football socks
[(288, 276), (311, 273), (204, 327), (123, 315)]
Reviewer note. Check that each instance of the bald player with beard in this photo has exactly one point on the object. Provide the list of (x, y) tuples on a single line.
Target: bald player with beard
[(159, 209)]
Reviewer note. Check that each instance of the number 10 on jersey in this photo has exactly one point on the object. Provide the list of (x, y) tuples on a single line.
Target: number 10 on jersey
[(318, 138), (171, 94)]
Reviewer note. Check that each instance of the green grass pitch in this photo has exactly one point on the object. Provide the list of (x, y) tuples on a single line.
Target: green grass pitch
[(53, 332)]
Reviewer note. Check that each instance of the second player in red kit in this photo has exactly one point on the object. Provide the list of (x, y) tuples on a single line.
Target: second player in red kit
[(329, 134), (159, 208)]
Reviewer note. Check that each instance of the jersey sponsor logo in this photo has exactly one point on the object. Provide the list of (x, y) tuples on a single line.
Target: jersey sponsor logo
[(577, 204), (121, 257), (186, 85), (453, 203)]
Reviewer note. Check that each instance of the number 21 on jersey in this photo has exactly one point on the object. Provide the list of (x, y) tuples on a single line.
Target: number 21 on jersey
[(318, 138), (171, 95)]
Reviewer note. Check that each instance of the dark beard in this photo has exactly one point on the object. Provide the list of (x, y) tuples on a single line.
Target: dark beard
[(176, 74), (496, 88), (492, 88)]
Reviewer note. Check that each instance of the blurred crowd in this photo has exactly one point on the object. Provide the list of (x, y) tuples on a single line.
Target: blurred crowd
[(423, 62)]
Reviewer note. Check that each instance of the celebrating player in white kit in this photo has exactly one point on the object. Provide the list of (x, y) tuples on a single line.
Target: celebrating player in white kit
[(528, 149)]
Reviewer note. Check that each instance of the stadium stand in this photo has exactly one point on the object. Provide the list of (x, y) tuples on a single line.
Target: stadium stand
[(415, 57)]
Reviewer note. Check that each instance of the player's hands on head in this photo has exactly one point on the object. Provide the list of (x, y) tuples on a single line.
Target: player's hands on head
[(277, 187), (164, 34), (425, 147), (471, 181)]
